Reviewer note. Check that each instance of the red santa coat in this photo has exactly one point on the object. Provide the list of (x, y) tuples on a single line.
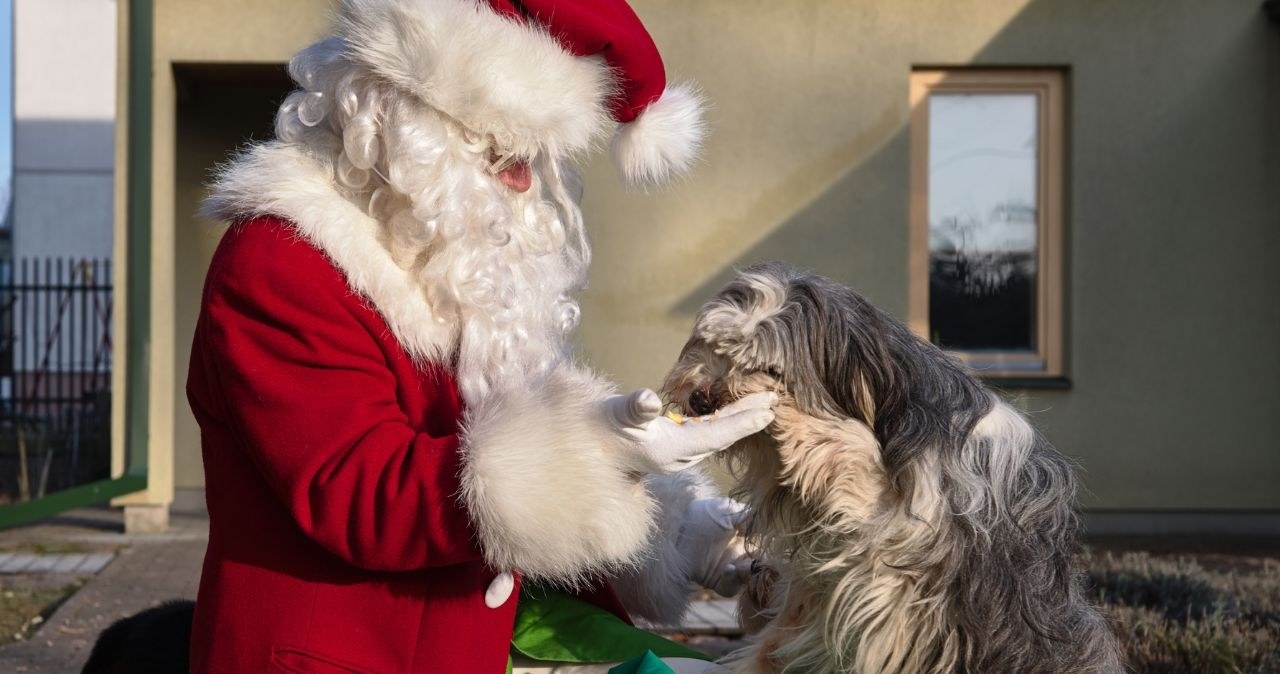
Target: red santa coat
[(358, 508), (337, 542), (331, 462)]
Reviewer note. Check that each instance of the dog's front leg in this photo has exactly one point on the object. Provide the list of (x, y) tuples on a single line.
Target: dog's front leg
[(756, 605), (832, 464), (770, 614)]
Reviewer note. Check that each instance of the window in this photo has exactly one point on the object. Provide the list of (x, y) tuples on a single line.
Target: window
[(986, 217)]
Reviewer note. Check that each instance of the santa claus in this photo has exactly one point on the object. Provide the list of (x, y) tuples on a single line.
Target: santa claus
[(395, 434)]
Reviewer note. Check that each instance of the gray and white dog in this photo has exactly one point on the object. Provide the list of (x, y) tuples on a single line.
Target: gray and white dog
[(909, 521)]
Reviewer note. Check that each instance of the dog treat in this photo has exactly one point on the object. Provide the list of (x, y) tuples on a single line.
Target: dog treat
[(675, 415)]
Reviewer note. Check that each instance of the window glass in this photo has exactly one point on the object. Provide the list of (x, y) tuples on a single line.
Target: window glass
[(982, 218)]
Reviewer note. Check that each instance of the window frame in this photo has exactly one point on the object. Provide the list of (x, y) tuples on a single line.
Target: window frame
[(1048, 84)]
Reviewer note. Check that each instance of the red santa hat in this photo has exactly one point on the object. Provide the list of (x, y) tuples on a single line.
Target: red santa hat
[(536, 75)]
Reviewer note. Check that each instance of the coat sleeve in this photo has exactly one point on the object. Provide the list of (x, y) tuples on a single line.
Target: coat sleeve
[(546, 483), (305, 385)]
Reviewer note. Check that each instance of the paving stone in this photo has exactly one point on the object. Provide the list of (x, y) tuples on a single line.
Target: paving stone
[(693, 623), (717, 616), (723, 613), (68, 563), (94, 563), (42, 564), (18, 562)]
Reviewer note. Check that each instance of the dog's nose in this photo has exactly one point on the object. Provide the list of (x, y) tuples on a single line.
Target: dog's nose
[(702, 403)]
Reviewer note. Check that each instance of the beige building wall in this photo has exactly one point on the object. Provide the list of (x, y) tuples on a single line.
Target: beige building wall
[(194, 32), (1172, 225), (1171, 222)]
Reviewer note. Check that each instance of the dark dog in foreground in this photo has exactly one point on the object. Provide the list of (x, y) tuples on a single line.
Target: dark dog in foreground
[(155, 641), (909, 520)]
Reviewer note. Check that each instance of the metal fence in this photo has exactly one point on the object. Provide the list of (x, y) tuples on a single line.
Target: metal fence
[(55, 375)]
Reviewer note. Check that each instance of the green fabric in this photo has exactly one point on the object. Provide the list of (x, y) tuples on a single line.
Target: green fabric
[(645, 664), (551, 626)]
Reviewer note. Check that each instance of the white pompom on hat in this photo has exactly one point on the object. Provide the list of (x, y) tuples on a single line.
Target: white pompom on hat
[(536, 75)]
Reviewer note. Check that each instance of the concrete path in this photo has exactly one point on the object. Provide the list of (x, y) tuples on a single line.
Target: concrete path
[(76, 564), (143, 571), (717, 617)]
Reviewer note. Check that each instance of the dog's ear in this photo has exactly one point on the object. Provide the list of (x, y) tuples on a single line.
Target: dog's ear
[(805, 330), (739, 323), (844, 343)]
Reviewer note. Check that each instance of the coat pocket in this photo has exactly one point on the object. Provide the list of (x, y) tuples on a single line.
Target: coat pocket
[(293, 660)]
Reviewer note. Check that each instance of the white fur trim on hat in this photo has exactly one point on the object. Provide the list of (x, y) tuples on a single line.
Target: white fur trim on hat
[(663, 141), (495, 75)]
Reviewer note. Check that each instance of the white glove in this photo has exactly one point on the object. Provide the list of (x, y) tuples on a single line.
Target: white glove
[(710, 541), (665, 446)]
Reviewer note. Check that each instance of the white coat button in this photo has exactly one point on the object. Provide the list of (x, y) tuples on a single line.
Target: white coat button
[(499, 590)]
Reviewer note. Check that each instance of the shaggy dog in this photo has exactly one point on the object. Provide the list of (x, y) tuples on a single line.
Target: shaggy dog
[(907, 519)]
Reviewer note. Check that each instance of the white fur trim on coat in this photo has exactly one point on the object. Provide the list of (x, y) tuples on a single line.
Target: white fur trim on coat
[(495, 75), (541, 474), (660, 589), (288, 182), (663, 141), (544, 485)]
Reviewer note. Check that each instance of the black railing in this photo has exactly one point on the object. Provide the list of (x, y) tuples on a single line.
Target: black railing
[(55, 375)]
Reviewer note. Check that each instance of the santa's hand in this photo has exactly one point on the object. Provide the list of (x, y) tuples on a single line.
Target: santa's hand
[(713, 547), (663, 445)]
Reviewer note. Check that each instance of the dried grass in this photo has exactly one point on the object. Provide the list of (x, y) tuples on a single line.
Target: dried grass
[(1195, 615)]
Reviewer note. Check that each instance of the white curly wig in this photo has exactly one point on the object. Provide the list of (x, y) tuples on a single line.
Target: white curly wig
[(503, 264)]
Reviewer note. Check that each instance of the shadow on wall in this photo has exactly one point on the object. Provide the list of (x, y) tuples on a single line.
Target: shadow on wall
[(1173, 156), (863, 199), (872, 196)]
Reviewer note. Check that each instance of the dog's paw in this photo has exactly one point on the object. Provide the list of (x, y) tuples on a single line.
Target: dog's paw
[(755, 606)]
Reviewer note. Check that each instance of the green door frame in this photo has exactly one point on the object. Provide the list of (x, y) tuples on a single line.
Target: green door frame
[(137, 291)]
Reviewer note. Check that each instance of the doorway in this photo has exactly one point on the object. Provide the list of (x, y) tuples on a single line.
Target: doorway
[(221, 108)]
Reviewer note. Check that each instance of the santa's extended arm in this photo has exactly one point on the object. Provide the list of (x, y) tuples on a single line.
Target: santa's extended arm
[(548, 483), (555, 479), (547, 474)]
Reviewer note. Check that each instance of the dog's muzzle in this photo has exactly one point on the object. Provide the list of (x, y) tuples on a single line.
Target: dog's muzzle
[(702, 403)]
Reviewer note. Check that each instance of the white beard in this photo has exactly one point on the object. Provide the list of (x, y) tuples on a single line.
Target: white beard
[(503, 264)]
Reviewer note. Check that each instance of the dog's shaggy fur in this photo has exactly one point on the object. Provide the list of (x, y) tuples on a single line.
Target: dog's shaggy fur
[(909, 520)]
